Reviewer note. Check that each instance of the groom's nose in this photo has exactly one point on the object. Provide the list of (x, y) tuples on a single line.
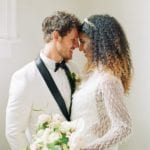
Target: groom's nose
[(76, 44)]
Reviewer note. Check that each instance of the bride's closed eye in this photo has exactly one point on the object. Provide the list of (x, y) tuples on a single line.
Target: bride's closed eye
[(82, 41)]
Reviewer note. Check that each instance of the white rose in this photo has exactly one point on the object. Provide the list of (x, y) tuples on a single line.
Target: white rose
[(33, 146), (66, 127), (44, 118), (40, 133), (37, 144), (45, 147), (57, 117), (53, 137), (76, 141)]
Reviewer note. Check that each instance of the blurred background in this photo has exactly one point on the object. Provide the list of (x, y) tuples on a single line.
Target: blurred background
[(21, 41)]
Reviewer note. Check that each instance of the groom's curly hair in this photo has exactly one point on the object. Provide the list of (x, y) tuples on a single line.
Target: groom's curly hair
[(109, 46), (60, 21)]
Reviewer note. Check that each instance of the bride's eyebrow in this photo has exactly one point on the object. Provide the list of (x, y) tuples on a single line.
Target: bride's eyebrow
[(81, 40)]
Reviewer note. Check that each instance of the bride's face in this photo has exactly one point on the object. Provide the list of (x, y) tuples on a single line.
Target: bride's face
[(85, 45)]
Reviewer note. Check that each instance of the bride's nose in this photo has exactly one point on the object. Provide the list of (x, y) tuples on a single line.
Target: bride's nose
[(81, 47)]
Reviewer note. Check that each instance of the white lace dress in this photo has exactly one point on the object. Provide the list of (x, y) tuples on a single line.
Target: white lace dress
[(99, 101)]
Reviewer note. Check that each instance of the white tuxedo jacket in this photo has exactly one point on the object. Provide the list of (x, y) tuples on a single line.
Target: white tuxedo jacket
[(29, 97)]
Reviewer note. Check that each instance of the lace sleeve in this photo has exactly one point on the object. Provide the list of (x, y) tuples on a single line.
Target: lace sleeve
[(111, 93)]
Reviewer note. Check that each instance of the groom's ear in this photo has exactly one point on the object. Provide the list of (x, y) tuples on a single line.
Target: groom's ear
[(56, 36)]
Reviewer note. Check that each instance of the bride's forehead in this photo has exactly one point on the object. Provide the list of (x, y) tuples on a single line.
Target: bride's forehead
[(83, 36)]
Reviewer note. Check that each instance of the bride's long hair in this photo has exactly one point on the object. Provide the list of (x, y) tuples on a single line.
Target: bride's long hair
[(110, 47)]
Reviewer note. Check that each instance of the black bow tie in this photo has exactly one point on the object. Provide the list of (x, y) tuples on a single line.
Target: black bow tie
[(60, 65), (68, 73)]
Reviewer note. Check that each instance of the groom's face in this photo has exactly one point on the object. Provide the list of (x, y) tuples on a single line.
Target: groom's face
[(67, 44)]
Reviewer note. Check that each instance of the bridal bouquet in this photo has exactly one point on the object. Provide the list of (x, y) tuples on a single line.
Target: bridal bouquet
[(53, 133)]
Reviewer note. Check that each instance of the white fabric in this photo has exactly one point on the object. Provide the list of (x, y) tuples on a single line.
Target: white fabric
[(99, 101), (29, 97)]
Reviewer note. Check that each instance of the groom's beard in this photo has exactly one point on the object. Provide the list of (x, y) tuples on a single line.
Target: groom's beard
[(63, 57)]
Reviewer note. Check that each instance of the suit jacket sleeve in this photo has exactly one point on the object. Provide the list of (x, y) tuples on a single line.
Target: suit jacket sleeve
[(18, 112)]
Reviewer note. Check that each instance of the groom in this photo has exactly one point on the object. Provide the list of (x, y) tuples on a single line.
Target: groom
[(45, 84)]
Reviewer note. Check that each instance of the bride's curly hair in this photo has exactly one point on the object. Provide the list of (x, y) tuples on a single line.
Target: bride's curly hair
[(109, 46)]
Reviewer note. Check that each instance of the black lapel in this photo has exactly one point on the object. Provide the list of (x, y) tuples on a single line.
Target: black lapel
[(52, 87), (72, 85)]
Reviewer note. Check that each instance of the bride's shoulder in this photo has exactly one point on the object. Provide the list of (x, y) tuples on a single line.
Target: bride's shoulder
[(108, 77)]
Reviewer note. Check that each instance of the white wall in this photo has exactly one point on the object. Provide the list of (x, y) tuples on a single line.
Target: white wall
[(133, 16)]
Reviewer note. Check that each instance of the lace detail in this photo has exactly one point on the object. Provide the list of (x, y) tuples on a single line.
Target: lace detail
[(101, 127), (114, 121)]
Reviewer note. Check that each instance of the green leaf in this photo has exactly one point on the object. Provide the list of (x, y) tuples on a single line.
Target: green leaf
[(73, 76), (28, 148), (65, 147), (63, 140), (52, 146), (56, 129), (45, 125), (42, 126)]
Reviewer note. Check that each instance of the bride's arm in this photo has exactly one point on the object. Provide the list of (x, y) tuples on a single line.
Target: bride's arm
[(120, 122)]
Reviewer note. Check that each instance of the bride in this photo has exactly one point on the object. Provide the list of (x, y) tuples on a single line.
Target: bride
[(99, 99)]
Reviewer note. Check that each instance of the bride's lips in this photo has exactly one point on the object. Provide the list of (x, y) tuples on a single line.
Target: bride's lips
[(71, 52), (85, 54)]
